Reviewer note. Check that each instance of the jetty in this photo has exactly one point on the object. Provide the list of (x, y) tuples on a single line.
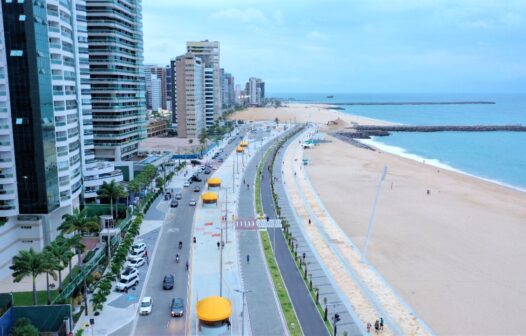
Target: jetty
[(467, 102), (381, 130)]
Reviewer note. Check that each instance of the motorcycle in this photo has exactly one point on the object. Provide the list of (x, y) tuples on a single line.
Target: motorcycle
[(177, 258)]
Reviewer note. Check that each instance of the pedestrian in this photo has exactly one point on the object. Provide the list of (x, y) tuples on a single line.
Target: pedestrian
[(218, 244), (381, 323), (369, 327), (248, 258), (377, 326), (309, 221), (228, 323), (195, 240)]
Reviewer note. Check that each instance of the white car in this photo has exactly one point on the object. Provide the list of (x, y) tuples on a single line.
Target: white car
[(139, 246), (146, 306), (136, 254), (192, 202), (128, 273), (136, 262), (186, 184)]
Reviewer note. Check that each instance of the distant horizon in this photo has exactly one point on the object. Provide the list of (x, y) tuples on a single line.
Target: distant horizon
[(270, 94)]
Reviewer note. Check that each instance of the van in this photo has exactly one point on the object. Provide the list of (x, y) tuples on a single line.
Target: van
[(126, 283)]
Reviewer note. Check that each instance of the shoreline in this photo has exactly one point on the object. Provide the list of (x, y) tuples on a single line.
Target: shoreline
[(402, 152)]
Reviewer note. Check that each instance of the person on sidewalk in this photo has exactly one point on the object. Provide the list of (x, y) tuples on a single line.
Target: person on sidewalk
[(369, 327), (248, 258), (377, 326), (381, 323), (218, 245)]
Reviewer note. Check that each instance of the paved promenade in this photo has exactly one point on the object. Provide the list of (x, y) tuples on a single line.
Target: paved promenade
[(366, 294)]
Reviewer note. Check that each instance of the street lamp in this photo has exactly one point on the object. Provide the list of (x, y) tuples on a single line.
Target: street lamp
[(243, 292)]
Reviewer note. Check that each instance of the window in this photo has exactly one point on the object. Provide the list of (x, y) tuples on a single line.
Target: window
[(19, 121), (16, 53), (21, 17)]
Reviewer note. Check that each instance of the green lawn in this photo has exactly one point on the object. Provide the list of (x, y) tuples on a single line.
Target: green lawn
[(283, 296), (26, 298)]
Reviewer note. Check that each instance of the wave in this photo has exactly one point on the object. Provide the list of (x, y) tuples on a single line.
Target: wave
[(402, 152)]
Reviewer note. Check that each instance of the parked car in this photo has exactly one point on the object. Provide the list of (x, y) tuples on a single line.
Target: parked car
[(167, 196), (124, 284), (197, 188), (168, 281), (174, 203), (134, 254), (136, 262), (128, 273), (139, 246), (178, 196), (192, 202), (177, 307), (146, 306)]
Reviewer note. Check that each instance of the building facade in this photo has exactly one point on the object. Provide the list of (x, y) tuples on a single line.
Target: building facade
[(255, 89), (45, 92), (190, 96), (168, 88), (117, 77), (209, 53), (227, 90), (155, 83), (157, 127)]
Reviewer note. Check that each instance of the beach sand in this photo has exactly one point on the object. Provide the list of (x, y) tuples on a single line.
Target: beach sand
[(455, 255)]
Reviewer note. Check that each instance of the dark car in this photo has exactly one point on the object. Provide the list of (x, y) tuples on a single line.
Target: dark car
[(174, 203), (196, 178), (197, 188), (207, 171), (195, 162), (177, 307), (168, 281)]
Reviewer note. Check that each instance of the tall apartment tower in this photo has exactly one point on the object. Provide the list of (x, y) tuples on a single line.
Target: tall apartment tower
[(227, 90), (190, 96), (117, 77), (47, 94), (159, 73), (208, 51), (256, 91), (168, 88), (173, 90)]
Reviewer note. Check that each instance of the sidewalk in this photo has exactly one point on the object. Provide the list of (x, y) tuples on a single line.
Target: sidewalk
[(365, 292)]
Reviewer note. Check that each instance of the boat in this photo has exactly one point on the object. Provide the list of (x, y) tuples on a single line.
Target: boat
[(330, 96)]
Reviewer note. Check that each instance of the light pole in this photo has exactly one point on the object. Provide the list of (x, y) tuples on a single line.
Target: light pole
[(243, 292), (221, 265), (373, 215)]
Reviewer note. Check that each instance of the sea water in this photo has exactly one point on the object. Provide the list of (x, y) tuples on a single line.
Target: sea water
[(495, 156)]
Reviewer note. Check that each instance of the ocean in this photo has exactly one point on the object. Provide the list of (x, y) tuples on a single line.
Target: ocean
[(496, 156)]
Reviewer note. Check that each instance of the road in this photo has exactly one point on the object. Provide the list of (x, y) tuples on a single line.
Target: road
[(176, 227), (308, 315)]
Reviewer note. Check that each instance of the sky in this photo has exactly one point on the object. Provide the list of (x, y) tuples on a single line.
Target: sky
[(348, 46)]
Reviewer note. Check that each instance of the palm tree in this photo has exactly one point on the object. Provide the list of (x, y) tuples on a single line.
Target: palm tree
[(28, 263), (75, 242), (78, 222), (112, 190), (51, 264), (61, 252)]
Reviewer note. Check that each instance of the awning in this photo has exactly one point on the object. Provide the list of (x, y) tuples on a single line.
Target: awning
[(213, 309), (214, 181), (209, 197)]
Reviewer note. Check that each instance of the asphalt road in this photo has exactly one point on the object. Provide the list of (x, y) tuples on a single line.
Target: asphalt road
[(308, 315), (177, 227)]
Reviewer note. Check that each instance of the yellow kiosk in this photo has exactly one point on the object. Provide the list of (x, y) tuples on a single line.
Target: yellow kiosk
[(214, 314), (209, 199), (214, 183), (243, 144), (240, 149)]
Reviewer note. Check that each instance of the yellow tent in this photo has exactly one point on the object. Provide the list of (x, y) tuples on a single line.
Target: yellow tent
[(214, 309)]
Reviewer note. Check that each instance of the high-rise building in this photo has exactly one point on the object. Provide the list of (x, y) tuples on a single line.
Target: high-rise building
[(117, 77), (208, 51), (47, 96), (155, 73), (168, 88), (173, 90), (255, 89), (227, 90), (190, 96)]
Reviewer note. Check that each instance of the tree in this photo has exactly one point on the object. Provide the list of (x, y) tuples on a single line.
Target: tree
[(79, 223), (276, 120), (75, 243), (202, 138), (23, 327), (59, 249), (51, 264), (159, 182), (28, 263), (113, 191), (190, 141)]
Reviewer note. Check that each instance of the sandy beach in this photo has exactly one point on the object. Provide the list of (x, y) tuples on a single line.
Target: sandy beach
[(455, 254)]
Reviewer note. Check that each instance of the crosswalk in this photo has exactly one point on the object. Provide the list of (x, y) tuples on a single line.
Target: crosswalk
[(256, 224)]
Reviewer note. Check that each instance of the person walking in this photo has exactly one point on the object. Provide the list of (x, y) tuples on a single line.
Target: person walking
[(369, 327), (218, 245), (377, 326), (381, 323), (248, 258)]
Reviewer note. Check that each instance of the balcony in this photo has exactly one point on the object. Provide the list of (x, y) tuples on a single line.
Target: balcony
[(98, 181)]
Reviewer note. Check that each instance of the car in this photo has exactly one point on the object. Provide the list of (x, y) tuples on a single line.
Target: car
[(220, 159), (196, 178), (168, 281), (124, 284), (174, 203), (197, 188), (139, 246), (146, 306), (134, 254), (128, 273), (177, 307), (207, 171), (192, 202), (178, 196), (135, 262), (186, 184)]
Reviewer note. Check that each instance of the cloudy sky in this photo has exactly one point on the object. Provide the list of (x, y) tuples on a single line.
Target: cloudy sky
[(366, 46)]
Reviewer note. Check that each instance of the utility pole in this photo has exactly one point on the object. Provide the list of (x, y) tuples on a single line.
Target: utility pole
[(226, 214), (373, 215), (243, 292), (221, 265)]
